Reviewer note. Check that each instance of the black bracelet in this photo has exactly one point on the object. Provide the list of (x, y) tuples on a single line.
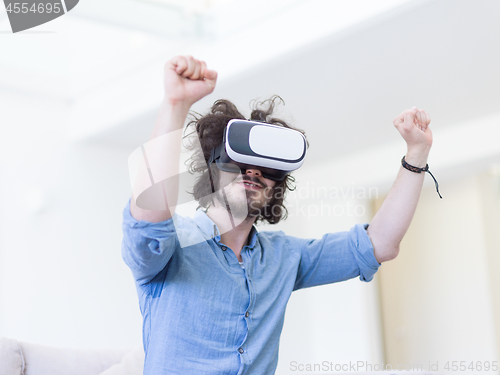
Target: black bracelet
[(420, 170)]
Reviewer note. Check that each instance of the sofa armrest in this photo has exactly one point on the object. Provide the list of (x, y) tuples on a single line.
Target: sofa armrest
[(11, 357), (45, 360)]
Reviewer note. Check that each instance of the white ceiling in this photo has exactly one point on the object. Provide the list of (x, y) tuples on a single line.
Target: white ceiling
[(101, 42), (345, 88)]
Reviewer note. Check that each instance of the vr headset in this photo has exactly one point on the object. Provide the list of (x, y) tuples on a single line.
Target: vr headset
[(274, 150)]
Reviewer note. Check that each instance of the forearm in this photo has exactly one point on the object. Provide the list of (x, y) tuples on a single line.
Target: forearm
[(163, 159), (171, 117), (393, 219)]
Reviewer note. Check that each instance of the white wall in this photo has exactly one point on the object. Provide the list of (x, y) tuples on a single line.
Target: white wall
[(62, 280), (437, 296), (490, 202)]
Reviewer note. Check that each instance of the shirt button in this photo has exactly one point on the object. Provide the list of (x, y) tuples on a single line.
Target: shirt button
[(241, 350), (247, 314), (224, 248)]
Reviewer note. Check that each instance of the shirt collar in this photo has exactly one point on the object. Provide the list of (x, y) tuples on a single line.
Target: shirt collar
[(209, 228)]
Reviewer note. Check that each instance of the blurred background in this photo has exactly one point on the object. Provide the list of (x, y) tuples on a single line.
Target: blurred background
[(80, 93)]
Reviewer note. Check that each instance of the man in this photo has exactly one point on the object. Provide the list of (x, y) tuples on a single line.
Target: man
[(216, 305)]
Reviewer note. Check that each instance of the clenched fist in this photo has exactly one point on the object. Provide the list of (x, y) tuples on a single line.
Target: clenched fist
[(187, 80), (413, 125)]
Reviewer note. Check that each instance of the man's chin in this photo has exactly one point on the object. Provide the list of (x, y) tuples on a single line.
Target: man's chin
[(249, 211), (242, 208)]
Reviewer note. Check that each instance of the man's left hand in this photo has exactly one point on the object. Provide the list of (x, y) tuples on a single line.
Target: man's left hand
[(413, 125)]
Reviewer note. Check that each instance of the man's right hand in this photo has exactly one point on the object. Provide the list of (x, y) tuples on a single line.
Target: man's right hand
[(187, 80)]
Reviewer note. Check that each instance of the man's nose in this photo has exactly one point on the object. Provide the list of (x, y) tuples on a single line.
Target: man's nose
[(253, 172)]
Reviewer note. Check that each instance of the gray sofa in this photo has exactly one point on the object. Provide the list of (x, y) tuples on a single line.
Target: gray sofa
[(21, 358)]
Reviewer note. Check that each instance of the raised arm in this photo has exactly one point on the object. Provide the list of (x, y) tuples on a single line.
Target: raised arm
[(394, 216), (186, 80)]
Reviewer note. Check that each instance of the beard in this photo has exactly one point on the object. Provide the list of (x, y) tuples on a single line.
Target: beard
[(241, 204)]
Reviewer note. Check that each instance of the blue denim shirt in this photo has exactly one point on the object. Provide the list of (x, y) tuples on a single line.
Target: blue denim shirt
[(205, 314)]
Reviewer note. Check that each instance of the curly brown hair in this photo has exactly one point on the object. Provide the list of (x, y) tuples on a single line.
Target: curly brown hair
[(209, 129)]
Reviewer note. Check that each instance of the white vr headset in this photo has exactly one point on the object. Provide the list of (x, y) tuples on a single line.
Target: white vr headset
[(274, 150)]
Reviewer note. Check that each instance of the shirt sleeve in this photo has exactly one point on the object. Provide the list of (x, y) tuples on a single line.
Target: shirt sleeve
[(335, 257), (147, 247)]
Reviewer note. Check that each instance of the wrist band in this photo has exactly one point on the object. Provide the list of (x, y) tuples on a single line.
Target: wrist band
[(420, 170)]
